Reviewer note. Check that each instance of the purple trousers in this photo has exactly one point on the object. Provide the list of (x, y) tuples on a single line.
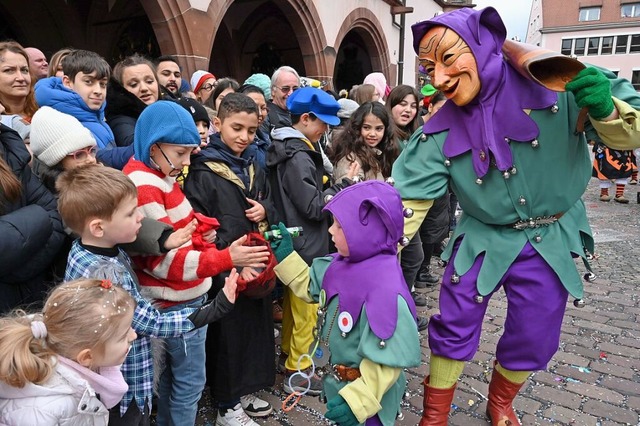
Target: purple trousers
[(536, 301)]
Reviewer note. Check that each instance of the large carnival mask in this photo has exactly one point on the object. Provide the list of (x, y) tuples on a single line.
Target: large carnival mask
[(449, 62)]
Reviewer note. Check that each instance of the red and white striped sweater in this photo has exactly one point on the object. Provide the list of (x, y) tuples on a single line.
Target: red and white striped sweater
[(181, 274)]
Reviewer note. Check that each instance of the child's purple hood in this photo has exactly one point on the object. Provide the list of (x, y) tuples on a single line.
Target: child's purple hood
[(371, 216)]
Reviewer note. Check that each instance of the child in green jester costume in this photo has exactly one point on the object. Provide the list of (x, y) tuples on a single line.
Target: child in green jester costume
[(510, 150), (366, 332)]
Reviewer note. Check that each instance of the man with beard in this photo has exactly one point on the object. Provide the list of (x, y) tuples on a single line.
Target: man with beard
[(169, 77)]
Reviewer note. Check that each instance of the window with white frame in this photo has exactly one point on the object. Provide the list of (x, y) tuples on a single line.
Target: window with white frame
[(622, 41), (567, 44), (630, 10), (635, 79), (635, 44), (579, 47), (594, 46), (607, 45), (589, 14)]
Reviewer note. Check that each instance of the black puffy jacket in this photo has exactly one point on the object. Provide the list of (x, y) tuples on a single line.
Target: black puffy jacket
[(31, 231)]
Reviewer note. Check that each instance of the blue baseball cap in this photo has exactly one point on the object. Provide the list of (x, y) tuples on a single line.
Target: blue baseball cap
[(316, 101)]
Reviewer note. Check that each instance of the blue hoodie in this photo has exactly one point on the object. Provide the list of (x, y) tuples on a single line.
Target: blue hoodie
[(52, 93)]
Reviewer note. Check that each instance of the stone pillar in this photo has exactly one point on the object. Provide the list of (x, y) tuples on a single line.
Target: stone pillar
[(184, 29)]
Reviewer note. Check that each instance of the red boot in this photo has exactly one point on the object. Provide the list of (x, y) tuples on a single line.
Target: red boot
[(501, 395), (437, 404)]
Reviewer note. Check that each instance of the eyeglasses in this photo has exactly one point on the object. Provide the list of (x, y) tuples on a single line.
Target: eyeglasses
[(287, 89), (175, 172), (84, 153), (208, 87)]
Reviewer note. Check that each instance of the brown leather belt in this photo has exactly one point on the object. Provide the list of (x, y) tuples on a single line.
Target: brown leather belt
[(536, 222), (346, 374)]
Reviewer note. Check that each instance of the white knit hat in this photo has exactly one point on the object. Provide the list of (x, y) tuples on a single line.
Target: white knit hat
[(55, 135)]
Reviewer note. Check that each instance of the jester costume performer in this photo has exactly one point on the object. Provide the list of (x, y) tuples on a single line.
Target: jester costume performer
[(510, 151), (366, 331)]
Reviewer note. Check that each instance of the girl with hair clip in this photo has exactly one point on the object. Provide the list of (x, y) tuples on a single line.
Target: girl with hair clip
[(367, 140), (62, 367)]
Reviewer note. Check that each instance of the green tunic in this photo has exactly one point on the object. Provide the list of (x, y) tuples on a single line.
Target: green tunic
[(551, 174), (402, 350)]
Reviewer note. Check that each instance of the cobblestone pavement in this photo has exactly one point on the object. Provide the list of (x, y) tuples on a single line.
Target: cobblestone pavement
[(594, 377)]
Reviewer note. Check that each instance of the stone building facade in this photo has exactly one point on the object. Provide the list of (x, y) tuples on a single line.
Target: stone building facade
[(337, 41)]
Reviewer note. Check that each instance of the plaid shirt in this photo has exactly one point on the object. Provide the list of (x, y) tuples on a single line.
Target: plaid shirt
[(137, 369)]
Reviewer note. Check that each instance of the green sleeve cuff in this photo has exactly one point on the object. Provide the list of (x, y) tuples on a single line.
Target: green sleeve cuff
[(293, 271), (364, 394), (623, 133)]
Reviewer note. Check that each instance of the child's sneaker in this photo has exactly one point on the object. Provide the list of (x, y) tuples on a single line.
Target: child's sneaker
[(234, 417), (299, 383), (254, 406)]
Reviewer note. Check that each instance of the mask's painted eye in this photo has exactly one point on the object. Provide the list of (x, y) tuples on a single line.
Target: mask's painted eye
[(448, 58)]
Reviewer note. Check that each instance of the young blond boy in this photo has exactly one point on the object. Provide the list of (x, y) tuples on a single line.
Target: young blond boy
[(100, 204)]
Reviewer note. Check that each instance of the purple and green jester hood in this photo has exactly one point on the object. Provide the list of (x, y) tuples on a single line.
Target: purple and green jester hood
[(371, 216), (487, 124)]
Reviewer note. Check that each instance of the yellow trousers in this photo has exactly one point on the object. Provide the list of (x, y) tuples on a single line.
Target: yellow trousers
[(298, 321)]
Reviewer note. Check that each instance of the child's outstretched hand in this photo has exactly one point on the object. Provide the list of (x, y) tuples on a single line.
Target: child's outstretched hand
[(256, 213), (283, 246), (218, 307), (253, 256), (231, 285), (339, 411), (249, 274), (181, 236)]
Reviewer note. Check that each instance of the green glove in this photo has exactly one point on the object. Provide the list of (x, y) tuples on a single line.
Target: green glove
[(592, 90), (339, 411), (282, 247)]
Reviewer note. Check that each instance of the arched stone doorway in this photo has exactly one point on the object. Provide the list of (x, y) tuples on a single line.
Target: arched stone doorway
[(188, 30), (363, 49), (266, 35)]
